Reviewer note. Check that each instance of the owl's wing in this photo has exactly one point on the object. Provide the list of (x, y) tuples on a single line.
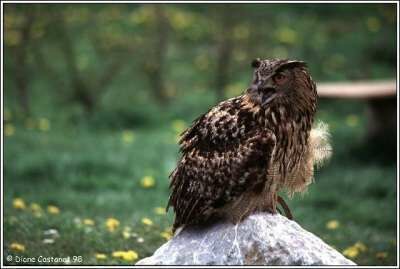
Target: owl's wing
[(218, 165)]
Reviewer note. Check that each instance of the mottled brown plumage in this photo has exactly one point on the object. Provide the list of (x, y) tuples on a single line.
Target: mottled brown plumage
[(238, 155)]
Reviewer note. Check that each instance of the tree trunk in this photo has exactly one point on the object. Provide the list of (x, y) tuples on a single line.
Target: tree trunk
[(225, 47), (154, 66), (21, 72)]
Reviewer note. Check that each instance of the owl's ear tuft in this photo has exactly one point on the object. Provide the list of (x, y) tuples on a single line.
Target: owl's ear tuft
[(292, 64), (256, 63)]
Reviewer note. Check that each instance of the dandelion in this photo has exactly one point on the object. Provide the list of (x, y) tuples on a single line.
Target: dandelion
[(360, 246), (44, 124), (129, 255), (88, 222), (147, 182), (36, 210), (37, 214), (147, 221), (17, 247), (126, 234), (100, 256), (160, 210), (140, 240), (118, 254), (352, 120), (178, 126), (128, 137), (53, 210), (381, 255), (9, 129), (112, 224), (19, 203), (166, 235), (332, 225), (351, 252), (35, 207)]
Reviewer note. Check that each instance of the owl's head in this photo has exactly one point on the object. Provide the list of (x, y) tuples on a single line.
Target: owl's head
[(276, 79)]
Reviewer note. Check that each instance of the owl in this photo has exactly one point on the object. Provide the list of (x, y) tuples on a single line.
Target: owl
[(239, 155)]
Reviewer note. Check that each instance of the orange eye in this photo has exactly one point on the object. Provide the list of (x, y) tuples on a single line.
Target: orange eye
[(279, 78)]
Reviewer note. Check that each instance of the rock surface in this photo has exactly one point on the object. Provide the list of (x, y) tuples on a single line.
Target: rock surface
[(261, 239)]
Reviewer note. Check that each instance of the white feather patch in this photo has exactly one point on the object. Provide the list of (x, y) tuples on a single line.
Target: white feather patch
[(320, 144)]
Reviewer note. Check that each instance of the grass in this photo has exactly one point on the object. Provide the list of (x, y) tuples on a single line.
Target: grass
[(97, 174)]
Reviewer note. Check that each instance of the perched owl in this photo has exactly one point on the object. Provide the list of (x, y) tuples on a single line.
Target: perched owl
[(242, 152)]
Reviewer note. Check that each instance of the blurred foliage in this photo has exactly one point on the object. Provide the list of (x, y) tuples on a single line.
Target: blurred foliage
[(97, 94), (122, 61)]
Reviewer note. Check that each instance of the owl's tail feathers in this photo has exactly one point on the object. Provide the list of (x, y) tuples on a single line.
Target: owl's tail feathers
[(320, 144)]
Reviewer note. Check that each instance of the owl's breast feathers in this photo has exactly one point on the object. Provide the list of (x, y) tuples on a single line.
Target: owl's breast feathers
[(234, 149)]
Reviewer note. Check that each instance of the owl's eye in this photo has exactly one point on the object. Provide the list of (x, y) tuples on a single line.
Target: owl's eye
[(279, 78)]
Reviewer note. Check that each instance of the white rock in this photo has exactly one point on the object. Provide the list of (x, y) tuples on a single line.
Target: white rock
[(261, 239)]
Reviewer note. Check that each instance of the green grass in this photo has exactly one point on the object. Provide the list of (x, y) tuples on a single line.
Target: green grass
[(92, 173)]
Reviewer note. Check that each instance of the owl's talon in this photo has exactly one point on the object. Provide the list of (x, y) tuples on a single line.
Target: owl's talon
[(285, 207)]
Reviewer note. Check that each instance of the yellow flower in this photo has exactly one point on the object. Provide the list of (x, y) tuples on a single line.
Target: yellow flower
[(19, 203), (352, 120), (17, 247), (332, 225), (360, 246), (100, 256), (44, 124), (36, 210), (35, 207), (147, 221), (381, 255), (128, 136), (37, 214), (112, 224), (178, 126), (126, 234), (147, 182), (53, 209), (351, 252), (160, 210), (129, 255), (9, 129), (118, 254), (166, 235), (88, 222)]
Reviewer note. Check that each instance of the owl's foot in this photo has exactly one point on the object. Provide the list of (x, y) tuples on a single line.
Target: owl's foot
[(285, 207)]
